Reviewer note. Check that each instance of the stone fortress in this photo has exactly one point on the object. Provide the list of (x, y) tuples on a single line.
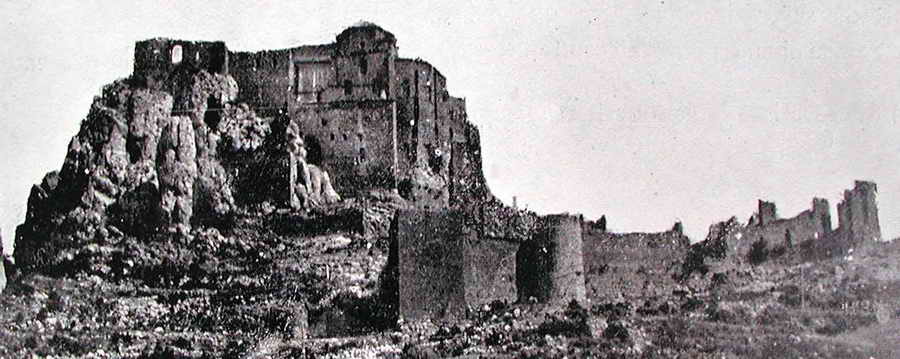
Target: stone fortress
[(371, 119), (199, 130)]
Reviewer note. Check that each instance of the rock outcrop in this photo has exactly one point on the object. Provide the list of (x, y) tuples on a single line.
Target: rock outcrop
[(142, 163)]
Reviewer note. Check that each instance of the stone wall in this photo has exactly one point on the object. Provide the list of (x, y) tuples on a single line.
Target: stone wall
[(354, 142), (810, 233), (264, 77), (444, 268), (164, 64), (766, 226), (631, 265)]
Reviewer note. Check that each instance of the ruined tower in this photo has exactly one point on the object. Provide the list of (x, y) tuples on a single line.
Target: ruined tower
[(551, 265), (767, 212), (858, 212)]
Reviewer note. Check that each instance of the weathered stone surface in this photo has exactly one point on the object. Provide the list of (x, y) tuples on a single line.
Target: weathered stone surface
[(631, 265), (551, 264), (177, 168), (444, 268)]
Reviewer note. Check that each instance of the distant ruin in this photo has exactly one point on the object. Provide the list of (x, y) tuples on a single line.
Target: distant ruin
[(565, 258), (811, 229)]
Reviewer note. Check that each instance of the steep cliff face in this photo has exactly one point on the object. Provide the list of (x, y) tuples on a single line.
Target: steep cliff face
[(140, 165)]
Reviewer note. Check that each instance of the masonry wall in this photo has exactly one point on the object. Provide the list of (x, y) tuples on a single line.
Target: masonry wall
[(424, 132), (468, 188), (168, 65), (444, 268), (434, 147), (431, 264), (364, 62), (812, 224), (631, 264), (264, 78), (490, 271), (354, 142)]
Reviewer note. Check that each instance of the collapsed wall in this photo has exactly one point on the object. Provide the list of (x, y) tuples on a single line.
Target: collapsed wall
[(631, 265), (767, 228), (806, 236)]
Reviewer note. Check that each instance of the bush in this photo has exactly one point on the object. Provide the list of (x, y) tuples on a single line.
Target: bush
[(759, 252)]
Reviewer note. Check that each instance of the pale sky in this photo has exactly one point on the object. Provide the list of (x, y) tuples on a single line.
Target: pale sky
[(646, 111)]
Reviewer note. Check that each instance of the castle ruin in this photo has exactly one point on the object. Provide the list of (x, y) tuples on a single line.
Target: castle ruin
[(198, 130), (369, 118)]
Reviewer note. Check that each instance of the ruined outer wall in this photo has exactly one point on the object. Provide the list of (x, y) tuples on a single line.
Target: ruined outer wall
[(168, 65), (812, 224), (551, 264), (631, 264), (444, 268), (354, 142)]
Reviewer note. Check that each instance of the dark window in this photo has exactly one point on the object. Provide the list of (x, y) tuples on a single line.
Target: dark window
[(348, 87), (133, 147), (362, 153), (405, 87), (363, 65), (213, 114), (324, 122)]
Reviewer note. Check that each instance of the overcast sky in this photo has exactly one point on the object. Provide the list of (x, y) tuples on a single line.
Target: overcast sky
[(646, 111)]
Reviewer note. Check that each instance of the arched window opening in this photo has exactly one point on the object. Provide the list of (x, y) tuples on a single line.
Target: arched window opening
[(177, 54)]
